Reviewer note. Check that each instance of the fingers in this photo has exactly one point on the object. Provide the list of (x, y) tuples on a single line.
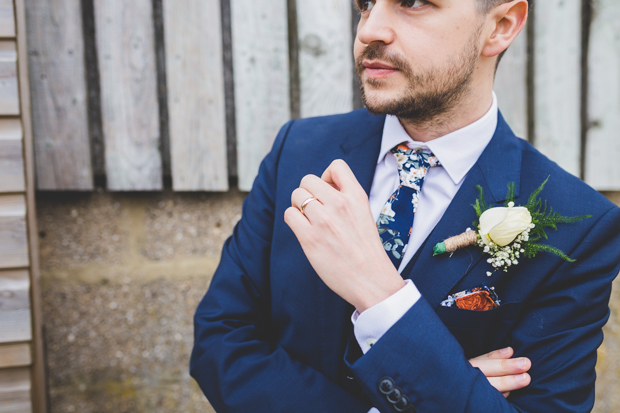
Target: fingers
[(318, 188), (297, 222), (504, 353), (299, 196), (507, 384), (341, 176), (502, 367)]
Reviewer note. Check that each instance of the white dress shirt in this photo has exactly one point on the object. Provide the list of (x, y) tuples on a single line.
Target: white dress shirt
[(457, 152)]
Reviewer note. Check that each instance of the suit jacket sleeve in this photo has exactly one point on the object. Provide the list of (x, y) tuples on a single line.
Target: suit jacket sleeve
[(559, 330), (236, 362)]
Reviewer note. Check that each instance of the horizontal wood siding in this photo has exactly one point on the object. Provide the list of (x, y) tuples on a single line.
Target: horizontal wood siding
[(15, 391), (603, 143), (12, 177), (58, 88), (7, 19), (261, 53), (13, 234), (196, 95), (15, 314), (15, 355), (9, 91), (129, 105)]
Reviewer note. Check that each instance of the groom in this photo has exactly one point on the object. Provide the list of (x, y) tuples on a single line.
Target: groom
[(307, 312)]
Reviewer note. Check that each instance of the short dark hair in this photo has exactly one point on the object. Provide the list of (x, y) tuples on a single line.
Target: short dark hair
[(486, 5)]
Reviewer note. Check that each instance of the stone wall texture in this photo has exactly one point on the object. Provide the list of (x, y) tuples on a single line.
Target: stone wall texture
[(121, 277)]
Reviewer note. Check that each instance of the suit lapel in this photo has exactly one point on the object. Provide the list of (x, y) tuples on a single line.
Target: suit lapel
[(360, 150), (499, 164)]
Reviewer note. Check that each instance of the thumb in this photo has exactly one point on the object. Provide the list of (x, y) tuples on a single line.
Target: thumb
[(340, 176)]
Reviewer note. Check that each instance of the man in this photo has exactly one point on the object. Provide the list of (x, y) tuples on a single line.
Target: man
[(275, 332)]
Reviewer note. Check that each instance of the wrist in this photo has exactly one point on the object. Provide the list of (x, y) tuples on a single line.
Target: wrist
[(376, 293)]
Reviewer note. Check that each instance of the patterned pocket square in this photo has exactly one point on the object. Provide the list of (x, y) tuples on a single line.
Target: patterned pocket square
[(481, 298)]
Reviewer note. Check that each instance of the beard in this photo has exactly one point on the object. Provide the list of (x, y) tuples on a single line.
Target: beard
[(430, 93)]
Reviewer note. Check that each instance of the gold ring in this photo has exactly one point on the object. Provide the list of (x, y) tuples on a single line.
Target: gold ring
[(305, 203)]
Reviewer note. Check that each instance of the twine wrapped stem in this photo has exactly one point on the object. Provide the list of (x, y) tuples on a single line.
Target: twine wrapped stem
[(454, 243)]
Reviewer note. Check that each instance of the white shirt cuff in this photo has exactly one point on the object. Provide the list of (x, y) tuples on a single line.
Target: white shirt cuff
[(373, 323)]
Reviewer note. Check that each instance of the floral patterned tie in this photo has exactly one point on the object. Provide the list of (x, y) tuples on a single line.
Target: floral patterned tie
[(396, 220)]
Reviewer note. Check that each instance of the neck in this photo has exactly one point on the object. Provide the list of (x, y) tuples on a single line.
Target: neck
[(472, 107)]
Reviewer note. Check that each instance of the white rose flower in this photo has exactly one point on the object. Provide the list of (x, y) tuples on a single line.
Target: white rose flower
[(502, 225)]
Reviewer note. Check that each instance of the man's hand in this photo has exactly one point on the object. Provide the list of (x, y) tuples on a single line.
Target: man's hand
[(340, 238), (504, 373)]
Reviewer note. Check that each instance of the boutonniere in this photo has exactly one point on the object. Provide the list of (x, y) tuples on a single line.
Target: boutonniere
[(507, 233)]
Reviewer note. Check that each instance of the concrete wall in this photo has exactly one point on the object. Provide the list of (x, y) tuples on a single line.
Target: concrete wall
[(121, 277)]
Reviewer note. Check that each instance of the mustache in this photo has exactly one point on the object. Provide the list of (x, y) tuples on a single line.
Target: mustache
[(380, 52)]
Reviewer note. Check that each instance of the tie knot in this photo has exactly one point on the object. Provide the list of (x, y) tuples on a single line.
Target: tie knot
[(413, 164)]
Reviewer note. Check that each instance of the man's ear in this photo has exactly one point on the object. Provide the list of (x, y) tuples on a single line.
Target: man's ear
[(508, 19)]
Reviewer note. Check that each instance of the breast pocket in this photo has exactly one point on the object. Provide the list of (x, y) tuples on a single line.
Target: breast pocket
[(480, 332)]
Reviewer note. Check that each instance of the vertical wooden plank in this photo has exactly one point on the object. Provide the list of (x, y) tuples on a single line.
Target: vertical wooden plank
[(325, 56), (196, 104), (58, 87), (260, 53), (7, 19), (9, 91), (602, 169), (558, 82), (129, 106), (511, 85), (13, 234), (38, 378), (15, 312), (15, 391), (15, 355), (12, 178)]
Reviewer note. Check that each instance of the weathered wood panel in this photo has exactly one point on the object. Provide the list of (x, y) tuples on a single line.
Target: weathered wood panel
[(9, 91), (602, 169), (15, 355), (7, 19), (129, 106), (511, 85), (195, 79), (12, 178), (15, 324), (13, 235), (15, 391), (58, 87), (557, 81), (262, 98), (325, 56)]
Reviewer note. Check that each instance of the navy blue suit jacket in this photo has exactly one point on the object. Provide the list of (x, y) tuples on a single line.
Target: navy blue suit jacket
[(270, 336)]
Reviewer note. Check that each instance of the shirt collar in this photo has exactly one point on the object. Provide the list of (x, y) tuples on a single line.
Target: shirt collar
[(457, 151)]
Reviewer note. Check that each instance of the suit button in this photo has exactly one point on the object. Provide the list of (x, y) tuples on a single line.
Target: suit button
[(386, 385), (395, 396), (403, 405)]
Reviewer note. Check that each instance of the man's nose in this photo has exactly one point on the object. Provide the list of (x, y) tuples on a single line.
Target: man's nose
[(378, 26)]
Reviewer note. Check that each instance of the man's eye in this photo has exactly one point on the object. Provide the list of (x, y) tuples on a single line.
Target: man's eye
[(412, 4), (366, 5)]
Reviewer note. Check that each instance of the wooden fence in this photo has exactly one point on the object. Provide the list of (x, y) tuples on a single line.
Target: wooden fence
[(142, 94)]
